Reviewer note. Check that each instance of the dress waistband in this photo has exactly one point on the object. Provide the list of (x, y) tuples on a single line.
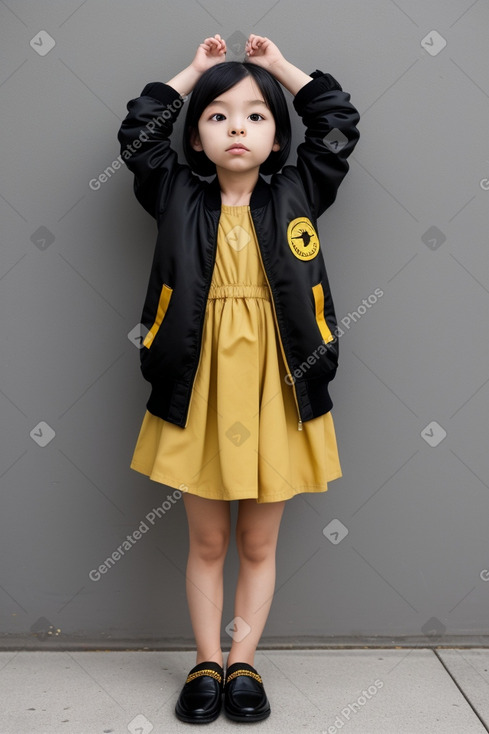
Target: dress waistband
[(239, 290)]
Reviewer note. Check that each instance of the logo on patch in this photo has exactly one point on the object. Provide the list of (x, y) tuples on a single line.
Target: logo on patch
[(302, 238)]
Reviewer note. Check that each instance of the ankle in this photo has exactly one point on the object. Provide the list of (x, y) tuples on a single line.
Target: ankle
[(240, 659), (216, 658)]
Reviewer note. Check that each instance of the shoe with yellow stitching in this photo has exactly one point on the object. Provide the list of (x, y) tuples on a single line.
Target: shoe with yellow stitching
[(244, 694), (200, 699)]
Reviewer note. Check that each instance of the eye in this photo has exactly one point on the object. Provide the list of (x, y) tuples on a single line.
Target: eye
[(217, 113), (256, 114)]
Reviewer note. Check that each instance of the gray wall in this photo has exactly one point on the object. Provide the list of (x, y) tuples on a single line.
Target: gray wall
[(410, 219)]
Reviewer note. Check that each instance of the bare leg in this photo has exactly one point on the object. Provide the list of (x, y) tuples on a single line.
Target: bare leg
[(257, 531), (209, 531)]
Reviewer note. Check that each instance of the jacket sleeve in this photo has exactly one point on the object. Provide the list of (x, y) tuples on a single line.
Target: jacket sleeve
[(145, 145), (330, 137)]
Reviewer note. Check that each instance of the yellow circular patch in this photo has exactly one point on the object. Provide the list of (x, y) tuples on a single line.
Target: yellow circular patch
[(302, 238)]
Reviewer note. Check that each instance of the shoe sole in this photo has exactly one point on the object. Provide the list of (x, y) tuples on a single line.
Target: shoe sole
[(251, 717), (190, 720)]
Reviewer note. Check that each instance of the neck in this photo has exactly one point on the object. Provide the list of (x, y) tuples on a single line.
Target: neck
[(236, 188)]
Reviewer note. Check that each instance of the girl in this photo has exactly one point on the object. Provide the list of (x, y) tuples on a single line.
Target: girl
[(239, 320)]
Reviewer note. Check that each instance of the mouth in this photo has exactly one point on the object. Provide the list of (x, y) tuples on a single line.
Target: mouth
[(237, 148)]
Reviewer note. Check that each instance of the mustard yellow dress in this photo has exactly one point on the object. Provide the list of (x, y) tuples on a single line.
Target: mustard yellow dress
[(242, 439)]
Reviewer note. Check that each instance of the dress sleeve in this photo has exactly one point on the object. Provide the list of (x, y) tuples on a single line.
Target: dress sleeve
[(330, 137), (144, 137)]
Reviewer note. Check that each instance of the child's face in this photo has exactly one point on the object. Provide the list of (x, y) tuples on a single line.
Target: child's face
[(239, 115)]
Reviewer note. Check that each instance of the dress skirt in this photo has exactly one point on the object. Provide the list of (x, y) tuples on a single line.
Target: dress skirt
[(242, 439)]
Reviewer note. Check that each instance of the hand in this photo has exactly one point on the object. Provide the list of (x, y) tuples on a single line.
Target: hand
[(263, 52), (211, 52)]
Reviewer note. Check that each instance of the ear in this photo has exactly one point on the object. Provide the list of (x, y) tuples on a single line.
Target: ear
[(195, 141), (276, 146)]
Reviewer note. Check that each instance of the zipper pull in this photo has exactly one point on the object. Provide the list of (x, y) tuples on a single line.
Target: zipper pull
[(299, 426)]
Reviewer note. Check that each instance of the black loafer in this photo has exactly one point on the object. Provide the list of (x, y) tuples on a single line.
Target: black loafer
[(200, 699), (244, 694)]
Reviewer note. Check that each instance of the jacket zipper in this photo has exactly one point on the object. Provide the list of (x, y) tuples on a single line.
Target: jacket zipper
[(299, 425), (202, 325)]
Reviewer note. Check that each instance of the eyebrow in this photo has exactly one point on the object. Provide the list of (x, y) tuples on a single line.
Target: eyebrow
[(248, 101)]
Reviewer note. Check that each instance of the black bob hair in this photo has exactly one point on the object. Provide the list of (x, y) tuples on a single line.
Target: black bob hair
[(217, 80)]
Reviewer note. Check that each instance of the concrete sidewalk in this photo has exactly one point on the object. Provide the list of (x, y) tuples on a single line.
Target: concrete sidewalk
[(358, 691)]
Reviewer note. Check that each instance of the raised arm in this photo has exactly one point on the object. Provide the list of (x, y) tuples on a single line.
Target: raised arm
[(329, 117), (263, 52), (144, 134), (212, 51)]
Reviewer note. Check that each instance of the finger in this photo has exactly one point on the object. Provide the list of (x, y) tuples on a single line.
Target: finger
[(251, 43)]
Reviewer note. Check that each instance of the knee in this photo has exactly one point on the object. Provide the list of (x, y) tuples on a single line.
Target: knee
[(255, 546), (211, 546)]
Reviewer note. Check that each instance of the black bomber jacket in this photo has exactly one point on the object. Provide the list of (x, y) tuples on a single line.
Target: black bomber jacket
[(284, 212)]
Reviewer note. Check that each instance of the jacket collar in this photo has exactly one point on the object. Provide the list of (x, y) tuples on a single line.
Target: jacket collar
[(259, 197)]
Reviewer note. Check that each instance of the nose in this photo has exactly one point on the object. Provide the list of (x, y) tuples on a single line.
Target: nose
[(237, 131)]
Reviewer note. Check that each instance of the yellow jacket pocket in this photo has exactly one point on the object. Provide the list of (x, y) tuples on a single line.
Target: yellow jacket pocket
[(163, 302), (318, 293)]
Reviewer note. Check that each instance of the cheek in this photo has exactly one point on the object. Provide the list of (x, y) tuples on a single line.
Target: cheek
[(207, 136), (271, 136)]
